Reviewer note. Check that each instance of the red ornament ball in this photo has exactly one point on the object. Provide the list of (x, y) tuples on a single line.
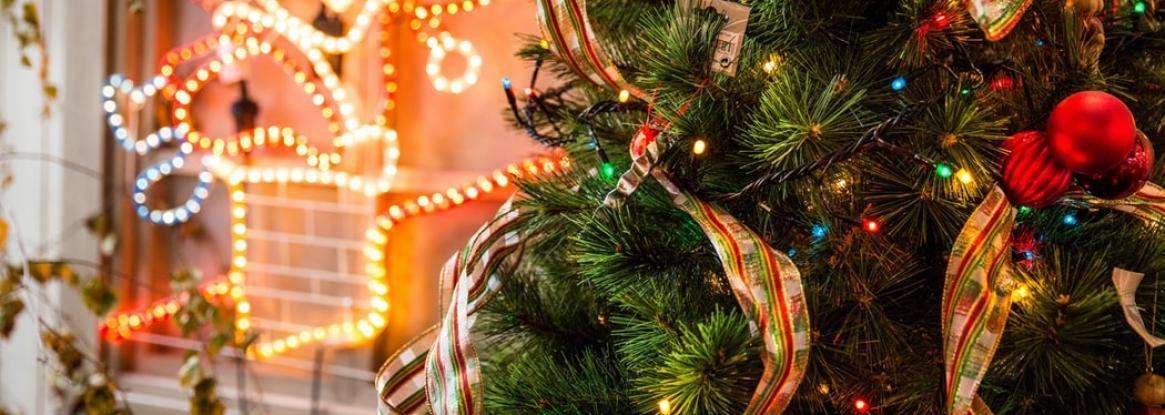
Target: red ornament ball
[(1091, 131), (1032, 177), (1127, 177)]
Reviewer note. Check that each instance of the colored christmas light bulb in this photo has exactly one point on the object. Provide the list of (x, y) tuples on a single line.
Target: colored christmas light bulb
[(871, 225), (506, 83), (943, 171), (1002, 82), (699, 146), (792, 252), (1139, 7), (1070, 219), (940, 21), (1020, 293), (1023, 210), (964, 176), (861, 406), (819, 231), (898, 83), (664, 406), (608, 170)]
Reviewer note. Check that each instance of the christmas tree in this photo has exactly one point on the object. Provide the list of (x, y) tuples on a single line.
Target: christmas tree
[(810, 221)]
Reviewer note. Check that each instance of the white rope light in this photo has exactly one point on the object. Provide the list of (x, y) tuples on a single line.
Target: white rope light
[(440, 46), (302, 34), (118, 87)]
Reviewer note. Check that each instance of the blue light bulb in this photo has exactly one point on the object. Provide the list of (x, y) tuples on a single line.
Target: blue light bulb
[(1070, 219), (506, 82), (819, 231), (898, 84)]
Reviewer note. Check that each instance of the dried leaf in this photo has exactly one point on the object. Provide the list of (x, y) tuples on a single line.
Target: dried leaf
[(205, 399), (65, 273), (41, 271), (185, 280), (98, 296), (101, 398), (63, 345), (3, 225), (31, 16), (99, 224), (9, 310)]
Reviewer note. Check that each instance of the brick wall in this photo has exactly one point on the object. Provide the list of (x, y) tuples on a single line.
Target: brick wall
[(305, 266)]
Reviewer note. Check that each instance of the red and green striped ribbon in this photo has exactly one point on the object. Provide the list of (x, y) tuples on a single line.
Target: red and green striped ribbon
[(1147, 203), (996, 17), (977, 291), (976, 301), (641, 165), (568, 30), (442, 363), (767, 285)]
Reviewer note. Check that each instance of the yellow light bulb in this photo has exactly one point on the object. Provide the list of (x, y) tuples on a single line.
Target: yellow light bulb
[(699, 147), (1020, 293), (964, 176), (664, 406)]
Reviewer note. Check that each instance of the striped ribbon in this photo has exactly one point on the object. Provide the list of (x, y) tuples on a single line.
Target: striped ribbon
[(767, 285), (568, 30), (642, 162), (976, 300), (451, 379), (1148, 204), (996, 17), (977, 291)]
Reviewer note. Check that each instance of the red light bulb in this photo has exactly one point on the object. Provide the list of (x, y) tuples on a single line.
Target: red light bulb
[(861, 406), (940, 20), (871, 225), (1002, 83)]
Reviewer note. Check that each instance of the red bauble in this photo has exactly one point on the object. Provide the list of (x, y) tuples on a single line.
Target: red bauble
[(1091, 131), (1128, 176), (1031, 175)]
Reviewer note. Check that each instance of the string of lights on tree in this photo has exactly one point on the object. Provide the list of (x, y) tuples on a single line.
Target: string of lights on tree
[(1001, 82)]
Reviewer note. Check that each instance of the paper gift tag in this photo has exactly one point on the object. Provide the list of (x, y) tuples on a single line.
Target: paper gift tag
[(731, 36)]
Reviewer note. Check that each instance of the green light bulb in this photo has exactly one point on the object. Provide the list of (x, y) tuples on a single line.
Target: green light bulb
[(608, 170), (1139, 7), (943, 171)]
